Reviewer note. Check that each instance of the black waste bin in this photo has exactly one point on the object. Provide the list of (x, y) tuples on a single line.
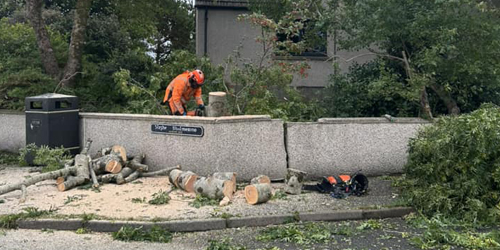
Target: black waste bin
[(53, 120)]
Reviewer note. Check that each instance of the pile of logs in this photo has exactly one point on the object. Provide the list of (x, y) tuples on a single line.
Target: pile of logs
[(112, 165)]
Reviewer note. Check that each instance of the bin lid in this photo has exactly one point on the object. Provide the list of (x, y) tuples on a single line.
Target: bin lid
[(51, 96)]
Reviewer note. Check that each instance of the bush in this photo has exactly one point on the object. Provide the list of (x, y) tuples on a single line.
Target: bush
[(454, 167)]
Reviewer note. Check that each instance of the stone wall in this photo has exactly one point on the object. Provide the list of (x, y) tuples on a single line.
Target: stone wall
[(376, 146), (248, 145), (12, 131)]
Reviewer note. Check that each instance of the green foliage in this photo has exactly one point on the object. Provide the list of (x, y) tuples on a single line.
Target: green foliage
[(10, 220), (201, 201), (302, 234), (453, 167), (448, 47), (159, 198), (139, 200), (279, 195), (370, 224), (440, 233), (8, 158), (21, 73), (155, 234), (224, 244), (70, 199), (51, 158), (82, 230), (369, 90)]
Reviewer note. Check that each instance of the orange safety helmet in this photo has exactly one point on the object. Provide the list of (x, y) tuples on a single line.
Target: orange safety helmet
[(198, 76)]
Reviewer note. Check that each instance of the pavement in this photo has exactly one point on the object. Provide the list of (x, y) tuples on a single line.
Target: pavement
[(115, 206)]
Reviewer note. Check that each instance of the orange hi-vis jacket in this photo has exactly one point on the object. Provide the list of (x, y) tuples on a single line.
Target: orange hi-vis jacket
[(179, 92)]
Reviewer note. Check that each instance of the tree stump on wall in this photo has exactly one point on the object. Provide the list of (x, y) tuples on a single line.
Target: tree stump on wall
[(216, 104)]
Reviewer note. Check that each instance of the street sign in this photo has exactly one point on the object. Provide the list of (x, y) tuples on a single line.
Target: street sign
[(169, 129)]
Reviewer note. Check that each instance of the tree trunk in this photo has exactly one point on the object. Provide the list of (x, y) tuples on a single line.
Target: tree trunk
[(293, 180), (37, 178), (258, 193), (231, 176), (136, 163), (445, 96), (173, 177), (108, 163), (214, 188), (216, 104), (260, 180), (425, 107), (77, 42), (120, 177), (49, 61), (186, 181)]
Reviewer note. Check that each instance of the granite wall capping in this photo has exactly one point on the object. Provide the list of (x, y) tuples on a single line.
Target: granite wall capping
[(373, 120), (183, 119)]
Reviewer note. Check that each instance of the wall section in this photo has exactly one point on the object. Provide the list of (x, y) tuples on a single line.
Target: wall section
[(12, 131), (345, 145), (249, 146)]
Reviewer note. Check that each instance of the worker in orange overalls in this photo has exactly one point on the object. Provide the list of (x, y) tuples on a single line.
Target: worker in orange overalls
[(180, 90)]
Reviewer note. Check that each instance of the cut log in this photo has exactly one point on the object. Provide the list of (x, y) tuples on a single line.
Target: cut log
[(214, 188), (231, 176), (120, 150), (160, 172), (71, 181), (111, 163), (82, 166), (95, 183), (37, 178), (136, 163), (216, 104), (132, 177), (294, 180), (107, 178), (120, 177), (258, 193), (186, 181), (24, 194), (261, 179), (174, 176), (224, 202)]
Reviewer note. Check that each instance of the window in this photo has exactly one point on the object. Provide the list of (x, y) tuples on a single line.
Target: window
[(311, 39)]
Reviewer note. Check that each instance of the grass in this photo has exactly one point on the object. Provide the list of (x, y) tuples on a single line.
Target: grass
[(8, 158), (201, 201), (10, 220), (299, 233), (155, 234), (160, 198), (70, 199)]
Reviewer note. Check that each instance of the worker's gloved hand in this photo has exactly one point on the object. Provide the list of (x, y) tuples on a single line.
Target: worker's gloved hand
[(184, 114), (163, 103), (201, 106)]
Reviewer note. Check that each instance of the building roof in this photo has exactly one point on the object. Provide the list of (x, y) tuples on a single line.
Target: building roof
[(222, 3)]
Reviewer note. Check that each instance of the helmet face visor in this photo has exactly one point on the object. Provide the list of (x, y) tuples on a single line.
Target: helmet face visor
[(193, 83)]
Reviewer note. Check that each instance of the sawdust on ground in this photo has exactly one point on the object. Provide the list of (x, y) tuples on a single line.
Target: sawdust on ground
[(117, 201)]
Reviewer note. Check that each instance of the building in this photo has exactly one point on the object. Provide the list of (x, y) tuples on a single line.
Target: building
[(219, 34)]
